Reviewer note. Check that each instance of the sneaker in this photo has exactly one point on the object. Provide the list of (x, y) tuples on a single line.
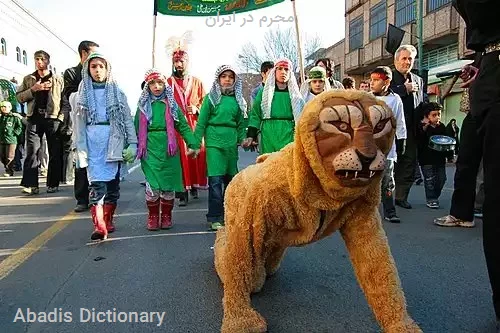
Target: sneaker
[(403, 204), (452, 221), (31, 190), (81, 208), (216, 226), (433, 205), (52, 189), (392, 218), (7, 175)]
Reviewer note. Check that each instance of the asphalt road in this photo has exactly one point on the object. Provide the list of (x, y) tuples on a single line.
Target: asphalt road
[(442, 270)]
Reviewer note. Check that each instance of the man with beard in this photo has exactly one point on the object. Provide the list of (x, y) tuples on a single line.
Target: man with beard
[(188, 93), (275, 110), (410, 87)]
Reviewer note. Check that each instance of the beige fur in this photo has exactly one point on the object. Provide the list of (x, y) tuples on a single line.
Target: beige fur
[(277, 203)]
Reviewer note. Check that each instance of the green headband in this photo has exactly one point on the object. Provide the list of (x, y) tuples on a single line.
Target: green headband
[(317, 73)]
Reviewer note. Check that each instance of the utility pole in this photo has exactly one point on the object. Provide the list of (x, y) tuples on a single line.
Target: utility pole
[(420, 33)]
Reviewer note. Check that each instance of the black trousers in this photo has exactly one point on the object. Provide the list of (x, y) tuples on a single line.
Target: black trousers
[(485, 107), (467, 167), (18, 165), (35, 130), (81, 186), (404, 169)]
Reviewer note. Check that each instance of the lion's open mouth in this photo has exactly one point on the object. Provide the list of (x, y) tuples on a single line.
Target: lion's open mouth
[(355, 174)]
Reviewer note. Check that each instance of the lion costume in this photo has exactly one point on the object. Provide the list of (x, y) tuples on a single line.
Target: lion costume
[(328, 179)]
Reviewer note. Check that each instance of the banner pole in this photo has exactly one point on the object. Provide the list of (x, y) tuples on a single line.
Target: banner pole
[(154, 40), (299, 48)]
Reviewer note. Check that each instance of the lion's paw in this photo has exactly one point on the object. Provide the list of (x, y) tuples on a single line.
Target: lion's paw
[(408, 326), (247, 322)]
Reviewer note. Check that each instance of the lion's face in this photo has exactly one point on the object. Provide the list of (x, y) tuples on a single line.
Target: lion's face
[(353, 138)]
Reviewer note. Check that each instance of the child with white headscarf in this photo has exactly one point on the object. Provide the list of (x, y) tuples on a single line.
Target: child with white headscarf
[(221, 124), (315, 84), (104, 138), (275, 110)]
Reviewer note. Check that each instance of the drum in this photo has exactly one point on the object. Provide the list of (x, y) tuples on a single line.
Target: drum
[(442, 143)]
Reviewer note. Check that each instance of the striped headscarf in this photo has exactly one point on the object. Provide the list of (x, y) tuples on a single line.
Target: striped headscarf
[(146, 116), (215, 92), (115, 99), (147, 97), (293, 89)]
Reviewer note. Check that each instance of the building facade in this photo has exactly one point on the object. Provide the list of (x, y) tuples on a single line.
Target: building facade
[(21, 35), (363, 47)]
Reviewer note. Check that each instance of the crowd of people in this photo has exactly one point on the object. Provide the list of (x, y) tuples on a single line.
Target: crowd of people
[(187, 140)]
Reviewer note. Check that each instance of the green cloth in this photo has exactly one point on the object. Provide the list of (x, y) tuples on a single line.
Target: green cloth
[(11, 126), (164, 172), (8, 93), (277, 131), (223, 128)]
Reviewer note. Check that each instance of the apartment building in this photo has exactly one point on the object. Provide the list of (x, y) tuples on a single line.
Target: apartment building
[(21, 34), (363, 48)]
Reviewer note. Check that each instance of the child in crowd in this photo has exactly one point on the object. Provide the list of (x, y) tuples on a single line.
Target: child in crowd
[(104, 138), (156, 121), (222, 124), (11, 127), (380, 80), (432, 162)]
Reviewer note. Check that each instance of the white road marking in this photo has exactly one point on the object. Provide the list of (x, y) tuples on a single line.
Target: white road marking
[(153, 235)]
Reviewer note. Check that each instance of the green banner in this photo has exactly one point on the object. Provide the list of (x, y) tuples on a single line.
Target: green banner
[(210, 7)]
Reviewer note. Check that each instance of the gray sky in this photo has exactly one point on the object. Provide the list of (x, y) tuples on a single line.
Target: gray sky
[(124, 29)]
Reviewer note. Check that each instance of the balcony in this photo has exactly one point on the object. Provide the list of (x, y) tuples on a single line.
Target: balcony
[(463, 51), (441, 23), (354, 62), (352, 5), (375, 51)]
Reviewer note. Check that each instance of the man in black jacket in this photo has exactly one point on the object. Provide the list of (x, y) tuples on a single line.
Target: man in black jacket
[(72, 78), (483, 36), (410, 87)]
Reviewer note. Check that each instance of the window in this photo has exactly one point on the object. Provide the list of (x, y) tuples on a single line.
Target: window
[(436, 4), (4, 46), (405, 12), (25, 58), (356, 33), (337, 75), (378, 20), (18, 53), (440, 56)]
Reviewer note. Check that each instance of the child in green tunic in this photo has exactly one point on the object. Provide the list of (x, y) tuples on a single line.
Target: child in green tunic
[(10, 127), (222, 124), (275, 110), (157, 119)]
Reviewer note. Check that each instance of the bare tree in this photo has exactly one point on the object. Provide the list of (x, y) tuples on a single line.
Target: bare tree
[(277, 44)]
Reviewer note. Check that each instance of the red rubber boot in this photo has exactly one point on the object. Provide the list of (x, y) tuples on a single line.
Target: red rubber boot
[(154, 215), (166, 213)]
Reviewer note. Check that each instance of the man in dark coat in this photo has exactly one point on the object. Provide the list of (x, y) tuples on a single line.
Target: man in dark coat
[(410, 87)]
